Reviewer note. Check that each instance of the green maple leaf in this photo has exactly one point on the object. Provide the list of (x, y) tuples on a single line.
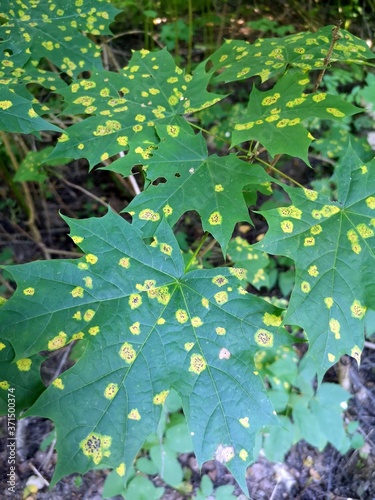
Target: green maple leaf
[(126, 107), (211, 185), (237, 59), (275, 118), (147, 328), (332, 244), (20, 378)]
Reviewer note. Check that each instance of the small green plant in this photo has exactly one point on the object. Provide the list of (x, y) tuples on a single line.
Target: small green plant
[(148, 323)]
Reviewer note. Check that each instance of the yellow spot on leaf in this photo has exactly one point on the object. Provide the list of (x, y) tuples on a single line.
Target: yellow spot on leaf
[(365, 231), (127, 353), (316, 229), (305, 287), (167, 210), (309, 241), (219, 280), (94, 330), (263, 338), (224, 454), (121, 469), (135, 328), (134, 414), (287, 226), (205, 302), (188, 346), (356, 354), (271, 319), (196, 322), (219, 188), (197, 364), (245, 422), (335, 112), (181, 316), (310, 194), (291, 211), (334, 326), (329, 210), (328, 302), (6, 104), (77, 239), (82, 265), (58, 341), (221, 298), (77, 292), (370, 202), (363, 169), (124, 262), (24, 364), (148, 214), (358, 310), (58, 383), (2, 346), (331, 357), (160, 321), (135, 300), (243, 454), (4, 384), (78, 336), (319, 97), (96, 446), (29, 291), (313, 271), (160, 398), (166, 249), (111, 390), (215, 219), (88, 282), (220, 330), (91, 259)]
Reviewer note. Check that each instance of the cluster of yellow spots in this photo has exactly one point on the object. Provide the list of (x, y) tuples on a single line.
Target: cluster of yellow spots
[(124, 262), (313, 271), (134, 414), (224, 353), (335, 112), (181, 316), (58, 383), (197, 364), (259, 276), (219, 280), (305, 287), (111, 390), (135, 300), (135, 328), (365, 231), (96, 446), (290, 211), (161, 294), (221, 298), (29, 291), (159, 399), (110, 127), (326, 211), (358, 310), (244, 71), (263, 338), (215, 218), (309, 241), (121, 469), (271, 319), (334, 326), (287, 226), (24, 364), (295, 102), (127, 353), (243, 454), (94, 330), (268, 101), (319, 97), (328, 302), (239, 272), (77, 292), (353, 239), (286, 122), (78, 336), (57, 341), (244, 422), (244, 126), (165, 248), (148, 214)]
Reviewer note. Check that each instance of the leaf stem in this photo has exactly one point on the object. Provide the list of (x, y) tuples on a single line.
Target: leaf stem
[(335, 38), (203, 239)]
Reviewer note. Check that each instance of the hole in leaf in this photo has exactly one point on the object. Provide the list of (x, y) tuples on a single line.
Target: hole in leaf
[(159, 180), (177, 175)]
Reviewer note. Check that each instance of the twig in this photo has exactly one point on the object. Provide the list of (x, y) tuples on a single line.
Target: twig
[(35, 470), (83, 190), (335, 37), (369, 345)]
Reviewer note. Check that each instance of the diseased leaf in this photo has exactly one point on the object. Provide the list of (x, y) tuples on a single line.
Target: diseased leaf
[(20, 378), (332, 244), (211, 185), (275, 117), (125, 108), (237, 59), (38, 29), (148, 328)]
